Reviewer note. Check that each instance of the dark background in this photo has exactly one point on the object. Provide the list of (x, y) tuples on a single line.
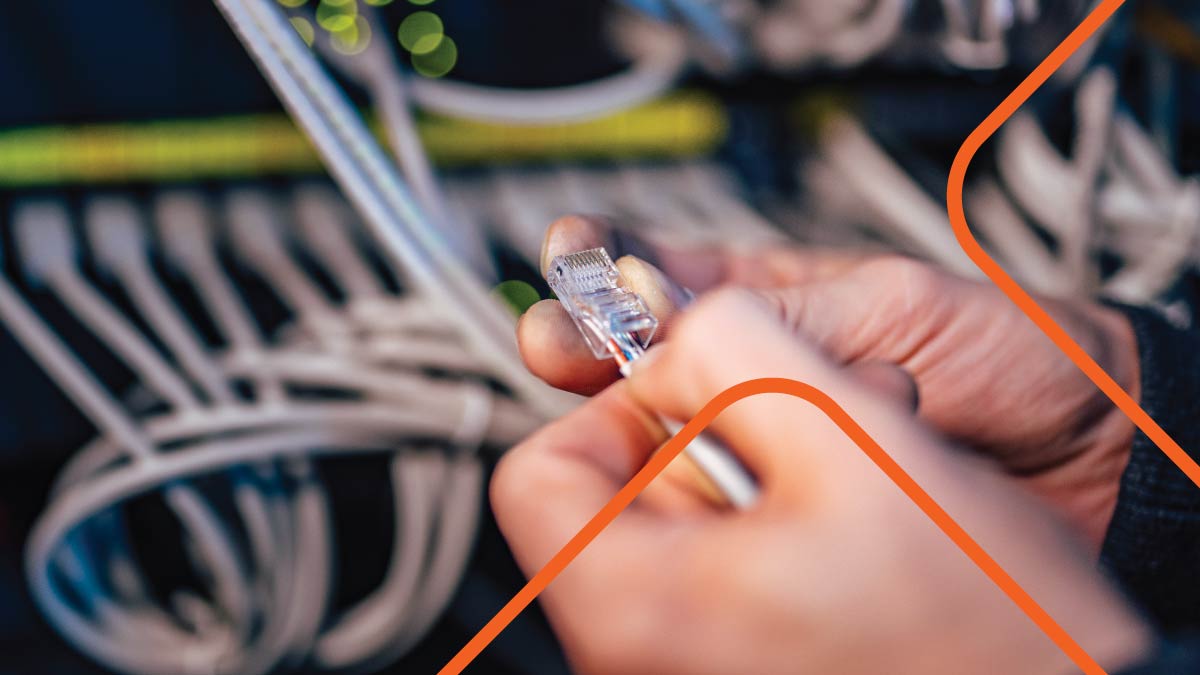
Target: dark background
[(76, 61)]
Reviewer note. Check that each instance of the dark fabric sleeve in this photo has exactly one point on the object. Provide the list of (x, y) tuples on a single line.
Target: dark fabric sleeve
[(1171, 658), (1153, 544)]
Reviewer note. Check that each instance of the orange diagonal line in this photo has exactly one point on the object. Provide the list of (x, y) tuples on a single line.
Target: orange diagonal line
[(659, 461), (958, 219)]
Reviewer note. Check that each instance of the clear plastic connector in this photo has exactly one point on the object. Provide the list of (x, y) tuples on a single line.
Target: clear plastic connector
[(615, 321)]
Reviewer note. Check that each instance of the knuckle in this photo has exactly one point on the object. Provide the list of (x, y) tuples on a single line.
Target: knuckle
[(515, 480), (504, 486), (905, 275)]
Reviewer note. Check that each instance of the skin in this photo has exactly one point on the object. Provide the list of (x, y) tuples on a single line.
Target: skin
[(834, 570), (987, 378)]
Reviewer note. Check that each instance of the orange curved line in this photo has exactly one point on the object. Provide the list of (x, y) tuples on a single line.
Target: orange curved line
[(659, 461), (962, 231)]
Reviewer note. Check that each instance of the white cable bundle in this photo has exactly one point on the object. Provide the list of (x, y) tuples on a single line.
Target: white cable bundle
[(239, 424), (974, 36), (1115, 192), (844, 33)]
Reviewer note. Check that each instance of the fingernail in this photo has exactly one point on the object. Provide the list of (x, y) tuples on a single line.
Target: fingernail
[(662, 295), (572, 233), (543, 263)]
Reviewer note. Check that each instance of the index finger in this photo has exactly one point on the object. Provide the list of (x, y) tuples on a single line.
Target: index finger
[(554, 482), (549, 487)]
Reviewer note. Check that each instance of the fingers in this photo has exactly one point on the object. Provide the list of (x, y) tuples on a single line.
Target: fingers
[(551, 344), (784, 266), (788, 444), (831, 314), (554, 350), (549, 486), (663, 296), (545, 490)]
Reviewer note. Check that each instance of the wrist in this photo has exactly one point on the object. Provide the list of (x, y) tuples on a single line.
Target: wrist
[(1100, 434)]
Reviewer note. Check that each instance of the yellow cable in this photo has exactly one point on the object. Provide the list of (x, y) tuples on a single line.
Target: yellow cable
[(683, 124)]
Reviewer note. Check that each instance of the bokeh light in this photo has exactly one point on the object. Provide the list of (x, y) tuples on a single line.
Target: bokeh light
[(421, 32), (378, 3), (353, 39), (292, 3), (518, 295), (421, 2), (336, 15), (438, 62), (304, 28)]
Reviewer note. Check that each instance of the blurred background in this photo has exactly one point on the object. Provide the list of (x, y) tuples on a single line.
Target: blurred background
[(258, 359)]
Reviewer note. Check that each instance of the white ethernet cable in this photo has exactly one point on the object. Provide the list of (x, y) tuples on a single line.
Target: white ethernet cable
[(1150, 215), (660, 57), (197, 517), (118, 241), (1116, 191), (375, 68), (47, 248), (906, 212), (255, 232), (406, 236), (271, 598), (394, 617), (324, 224), (369, 324), (1060, 192), (975, 32), (615, 323), (186, 232), (842, 33), (393, 331)]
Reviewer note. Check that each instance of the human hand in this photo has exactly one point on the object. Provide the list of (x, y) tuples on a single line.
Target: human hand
[(987, 377), (833, 570)]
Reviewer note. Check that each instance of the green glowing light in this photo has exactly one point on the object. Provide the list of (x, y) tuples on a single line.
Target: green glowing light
[(518, 295), (292, 3), (421, 32), (304, 28), (336, 15), (438, 62), (378, 3), (352, 40), (421, 2)]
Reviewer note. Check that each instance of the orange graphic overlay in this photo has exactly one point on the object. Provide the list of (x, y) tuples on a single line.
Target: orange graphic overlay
[(659, 461), (958, 219), (1104, 10)]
